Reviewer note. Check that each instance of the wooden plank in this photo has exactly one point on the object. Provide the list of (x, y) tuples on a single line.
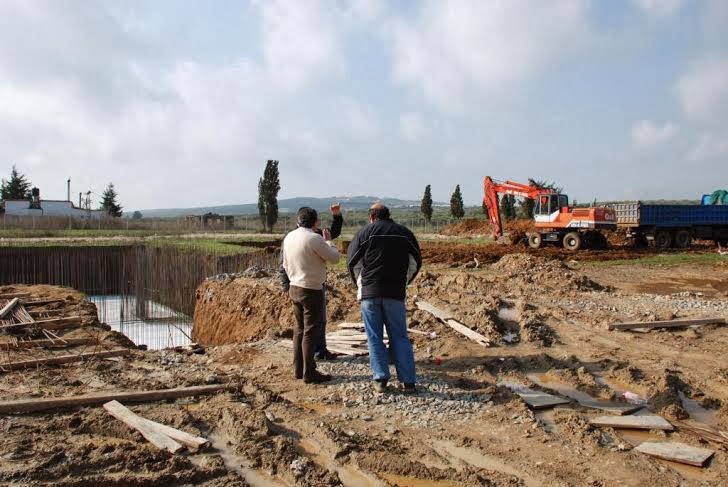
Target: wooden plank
[(160, 440), (14, 295), (647, 422), (702, 431), (41, 302), (8, 307), (62, 359), (618, 408), (49, 324), (540, 400), (348, 351), (447, 318), (60, 343), (44, 404), (676, 452), (464, 330), (665, 324), (190, 441), (351, 325), (438, 313)]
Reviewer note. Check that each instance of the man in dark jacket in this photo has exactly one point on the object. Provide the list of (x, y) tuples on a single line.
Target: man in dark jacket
[(322, 351), (383, 258)]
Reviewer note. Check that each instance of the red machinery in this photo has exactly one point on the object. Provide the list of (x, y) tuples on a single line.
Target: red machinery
[(555, 221)]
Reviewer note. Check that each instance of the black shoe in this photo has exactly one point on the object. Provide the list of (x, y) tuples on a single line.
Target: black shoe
[(317, 378), (379, 386), (408, 389), (329, 356)]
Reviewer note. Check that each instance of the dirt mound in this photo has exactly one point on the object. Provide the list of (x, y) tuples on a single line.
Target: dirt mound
[(467, 227), (526, 269), (241, 309)]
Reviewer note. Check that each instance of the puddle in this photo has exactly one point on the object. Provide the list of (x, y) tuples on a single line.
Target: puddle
[(349, 476), (698, 412), (404, 481), (479, 460), (236, 463)]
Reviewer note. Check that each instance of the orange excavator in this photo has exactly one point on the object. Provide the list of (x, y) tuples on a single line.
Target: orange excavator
[(555, 221)]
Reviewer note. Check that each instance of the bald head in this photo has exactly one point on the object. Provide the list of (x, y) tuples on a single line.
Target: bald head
[(378, 212)]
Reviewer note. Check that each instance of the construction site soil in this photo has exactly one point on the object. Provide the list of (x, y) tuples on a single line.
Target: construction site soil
[(545, 320)]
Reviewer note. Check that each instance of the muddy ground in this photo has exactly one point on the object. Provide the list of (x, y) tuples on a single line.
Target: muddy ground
[(545, 320)]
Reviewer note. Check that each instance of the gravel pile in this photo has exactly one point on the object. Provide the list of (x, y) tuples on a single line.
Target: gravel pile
[(436, 401)]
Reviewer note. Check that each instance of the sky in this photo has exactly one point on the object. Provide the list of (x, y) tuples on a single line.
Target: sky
[(180, 103)]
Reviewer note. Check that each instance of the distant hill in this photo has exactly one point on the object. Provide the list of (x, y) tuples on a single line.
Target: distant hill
[(289, 205)]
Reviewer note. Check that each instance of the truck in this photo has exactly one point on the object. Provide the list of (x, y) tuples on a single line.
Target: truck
[(668, 226), (555, 221)]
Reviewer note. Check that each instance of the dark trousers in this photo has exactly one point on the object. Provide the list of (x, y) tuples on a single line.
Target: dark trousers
[(307, 307), (321, 343)]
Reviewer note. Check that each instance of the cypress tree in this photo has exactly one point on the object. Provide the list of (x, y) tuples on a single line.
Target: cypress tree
[(426, 204), (268, 187), (457, 207)]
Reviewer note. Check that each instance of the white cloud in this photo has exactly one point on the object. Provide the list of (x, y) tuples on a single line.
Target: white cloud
[(659, 8), (360, 120), (703, 91), (412, 125), (300, 41), (463, 52), (646, 134), (709, 147)]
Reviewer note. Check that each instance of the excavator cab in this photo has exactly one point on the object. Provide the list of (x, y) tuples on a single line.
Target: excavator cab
[(548, 206)]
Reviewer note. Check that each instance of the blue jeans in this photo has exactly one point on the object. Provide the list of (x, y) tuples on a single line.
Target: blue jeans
[(321, 345), (378, 313)]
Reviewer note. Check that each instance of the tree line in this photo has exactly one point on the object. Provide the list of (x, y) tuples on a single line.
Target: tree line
[(18, 187)]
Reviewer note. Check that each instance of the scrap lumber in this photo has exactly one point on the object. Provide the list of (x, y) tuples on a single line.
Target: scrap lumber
[(703, 431), (41, 302), (676, 452), (347, 350), (351, 325), (48, 343), (44, 404), (49, 324), (14, 295), (618, 408), (62, 359), (8, 307), (647, 422), (447, 318), (665, 324), (190, 441), (160, 440), (541, 400)]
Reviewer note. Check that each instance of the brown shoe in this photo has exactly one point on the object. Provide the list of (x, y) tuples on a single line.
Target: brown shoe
[(317, 378)]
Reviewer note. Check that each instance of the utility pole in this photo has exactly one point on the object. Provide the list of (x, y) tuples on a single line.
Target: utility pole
[(68, 192)]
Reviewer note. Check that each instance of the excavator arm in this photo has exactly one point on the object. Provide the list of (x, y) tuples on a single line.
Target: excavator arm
[(493, 188)]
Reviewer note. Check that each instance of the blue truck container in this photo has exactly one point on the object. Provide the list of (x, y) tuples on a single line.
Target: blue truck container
[(673, 225)]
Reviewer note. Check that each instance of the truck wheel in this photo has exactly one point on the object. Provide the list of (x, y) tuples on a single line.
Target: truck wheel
[(572, 241), (683, 239), (534, 240), (663, 239)]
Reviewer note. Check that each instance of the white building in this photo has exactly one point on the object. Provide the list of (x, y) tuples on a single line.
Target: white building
[(52, 208)]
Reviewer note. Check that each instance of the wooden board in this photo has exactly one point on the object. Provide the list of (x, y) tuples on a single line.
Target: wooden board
[(8, 307), (351, 325), (665, 324), (702, 431), (541, 400), (59, 343), (618, 408), (41, 302), (44, 404), (49, 324), (438, 313), (648, 422), (160, 440), (14, 295), (190, 441), (62, 359), (676, 452)]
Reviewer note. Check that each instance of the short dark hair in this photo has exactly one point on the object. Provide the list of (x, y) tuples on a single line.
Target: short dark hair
[(307, 217), (379, 212)]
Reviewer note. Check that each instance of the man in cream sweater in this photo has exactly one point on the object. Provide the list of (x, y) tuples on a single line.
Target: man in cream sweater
[(305, 255)]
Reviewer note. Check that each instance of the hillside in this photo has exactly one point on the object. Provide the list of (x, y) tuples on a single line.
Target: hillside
[(285, 206)]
